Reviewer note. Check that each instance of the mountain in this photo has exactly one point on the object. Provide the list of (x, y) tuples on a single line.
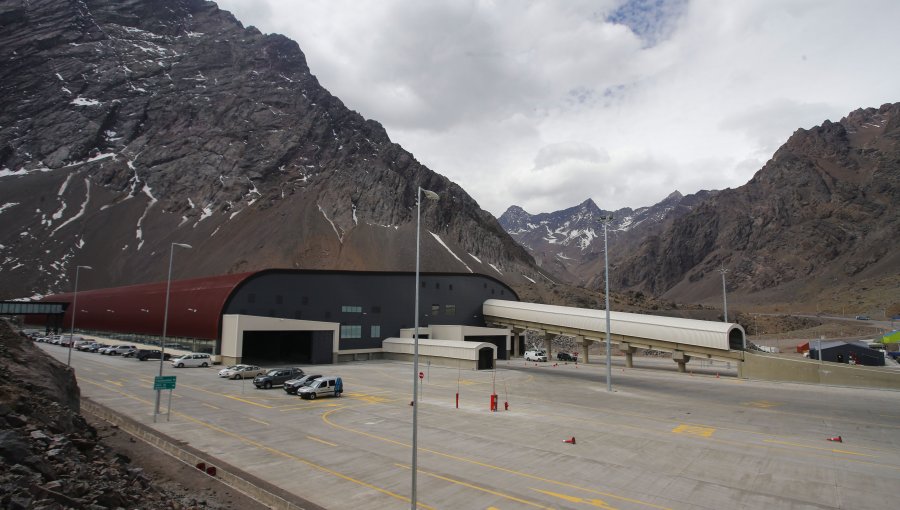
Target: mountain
[(126, 126), (817, 224), (569, 242)]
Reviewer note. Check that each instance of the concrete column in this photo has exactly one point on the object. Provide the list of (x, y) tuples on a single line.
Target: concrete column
[(586, 345), (681, 358), (628, 350), (579, 340), (517, 338), (548, 345)]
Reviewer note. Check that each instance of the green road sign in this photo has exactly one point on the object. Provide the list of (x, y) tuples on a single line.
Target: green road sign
[(164, 382)]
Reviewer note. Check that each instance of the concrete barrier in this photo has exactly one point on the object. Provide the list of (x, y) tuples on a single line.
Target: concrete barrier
[(258, 489), (772, 367)]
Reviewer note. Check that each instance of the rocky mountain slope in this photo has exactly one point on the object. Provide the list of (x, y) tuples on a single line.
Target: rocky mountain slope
[(820, 218), (570, 242), (126, 126)]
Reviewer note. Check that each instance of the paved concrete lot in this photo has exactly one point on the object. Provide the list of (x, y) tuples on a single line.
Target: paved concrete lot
[(660, 440)]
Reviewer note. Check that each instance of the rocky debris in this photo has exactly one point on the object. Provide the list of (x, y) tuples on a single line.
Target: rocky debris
[(50, 457)]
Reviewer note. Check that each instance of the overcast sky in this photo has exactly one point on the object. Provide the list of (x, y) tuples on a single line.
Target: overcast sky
[(544, 104)]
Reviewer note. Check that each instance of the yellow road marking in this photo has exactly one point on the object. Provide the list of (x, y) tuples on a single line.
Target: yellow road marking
[(307, 406), (270, 449), (325, 418), (210, 405), (477, 488), (258, 421), (832, 450), (694, 430), (762, 404), (114, 382), (248, 402), (320, 440), (596, 503)]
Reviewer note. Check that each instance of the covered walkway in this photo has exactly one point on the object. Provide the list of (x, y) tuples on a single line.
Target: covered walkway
[(684, 338)]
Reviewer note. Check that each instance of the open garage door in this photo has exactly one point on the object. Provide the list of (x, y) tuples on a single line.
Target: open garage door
[(485, 358), (283, 348)]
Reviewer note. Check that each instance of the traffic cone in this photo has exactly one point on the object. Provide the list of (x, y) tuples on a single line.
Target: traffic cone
[(836, 439), (569, 441)]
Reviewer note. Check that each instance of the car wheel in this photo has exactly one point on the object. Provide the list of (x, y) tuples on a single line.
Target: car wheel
[(312, 396), (268, 385), (237, 376), (203, 365), (180, 365)]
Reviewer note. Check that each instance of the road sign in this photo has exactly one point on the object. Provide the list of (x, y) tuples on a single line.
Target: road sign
[(421, 375), (164, 382)]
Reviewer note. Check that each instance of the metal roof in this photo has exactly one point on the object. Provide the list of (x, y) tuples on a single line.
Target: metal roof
[(455, 349), (669, 329)]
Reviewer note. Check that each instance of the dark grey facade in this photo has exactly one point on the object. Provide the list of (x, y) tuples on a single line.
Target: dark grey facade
[(369, 306)]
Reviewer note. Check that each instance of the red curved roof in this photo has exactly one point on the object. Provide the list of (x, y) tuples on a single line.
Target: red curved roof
[(195, 306)]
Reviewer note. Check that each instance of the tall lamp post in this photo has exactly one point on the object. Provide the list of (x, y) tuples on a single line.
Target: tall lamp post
[(606, 220), (724, 297), (74, 311), (415, 433), (162, 346)]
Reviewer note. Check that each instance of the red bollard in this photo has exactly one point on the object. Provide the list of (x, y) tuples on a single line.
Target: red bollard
[(506, 406), (493, 402), (457, 400)]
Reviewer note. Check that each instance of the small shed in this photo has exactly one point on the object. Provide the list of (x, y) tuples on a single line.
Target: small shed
[(846, 352), (448, 353)]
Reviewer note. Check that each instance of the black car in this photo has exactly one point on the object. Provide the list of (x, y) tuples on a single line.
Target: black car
[(145, 354), (565, 356), (276, 377), (293, 385)]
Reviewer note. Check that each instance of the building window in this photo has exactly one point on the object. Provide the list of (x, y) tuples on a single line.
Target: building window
[(351, 331), (449, 309), (451, 286), (435, 310), (351, 309), (376, 309), (375, 332), (279, 299), (437, 285), (251, 298)]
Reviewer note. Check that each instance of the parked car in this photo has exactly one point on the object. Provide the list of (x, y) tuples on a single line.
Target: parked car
[(862, 317), (293, 385), (322, 387), (196, 359), (145, 354), (565, 356), (276, 377), (86, 346), (96, 347), (242, 371), (535, 356), (119, 349)]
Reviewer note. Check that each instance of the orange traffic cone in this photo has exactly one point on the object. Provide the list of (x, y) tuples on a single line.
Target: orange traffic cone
[(836, 439), (569, 441)]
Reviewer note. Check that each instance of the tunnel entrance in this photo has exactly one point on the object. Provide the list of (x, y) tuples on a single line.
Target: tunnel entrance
[(736, 339), (485, 358)]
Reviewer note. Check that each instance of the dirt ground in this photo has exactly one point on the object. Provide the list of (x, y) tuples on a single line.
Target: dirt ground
[(172, 474)]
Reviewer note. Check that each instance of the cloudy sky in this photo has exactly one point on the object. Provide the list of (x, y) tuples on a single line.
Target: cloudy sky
[(544, 104)]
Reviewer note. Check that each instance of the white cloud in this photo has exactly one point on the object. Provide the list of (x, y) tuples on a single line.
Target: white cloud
[(691, 95)]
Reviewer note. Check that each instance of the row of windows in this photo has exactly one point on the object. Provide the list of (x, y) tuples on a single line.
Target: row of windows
[(354, 331), (448, 310)]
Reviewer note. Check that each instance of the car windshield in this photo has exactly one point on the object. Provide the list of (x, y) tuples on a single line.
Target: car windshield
[(272, 372)]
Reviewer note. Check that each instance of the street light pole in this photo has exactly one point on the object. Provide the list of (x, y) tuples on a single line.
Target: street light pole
[(606, 219), (74, 311), (724, 298), (162, 346), (415, 433)]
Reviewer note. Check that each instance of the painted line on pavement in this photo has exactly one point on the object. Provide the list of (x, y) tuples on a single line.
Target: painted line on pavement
[(478, 488), (832, 450), (320, 440)]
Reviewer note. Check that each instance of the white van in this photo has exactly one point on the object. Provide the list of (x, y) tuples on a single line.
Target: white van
[(535, 356), (322, 387), (195, 359)]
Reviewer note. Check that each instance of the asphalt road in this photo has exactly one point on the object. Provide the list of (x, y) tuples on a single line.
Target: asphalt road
[(659, 440)]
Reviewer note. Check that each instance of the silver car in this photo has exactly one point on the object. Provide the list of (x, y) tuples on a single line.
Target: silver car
[(241, 371), (322, 387)]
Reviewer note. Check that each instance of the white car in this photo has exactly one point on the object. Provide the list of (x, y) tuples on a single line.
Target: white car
[(241, 371), (196, 359), (535, 356)]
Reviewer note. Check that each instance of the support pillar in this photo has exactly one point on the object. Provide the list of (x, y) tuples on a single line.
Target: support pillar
[(517, 335), (586, 344), (548, 345), (628, 350), (682, 359)]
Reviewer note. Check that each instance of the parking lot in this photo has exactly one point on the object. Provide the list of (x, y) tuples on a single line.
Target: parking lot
[(659, 440)]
